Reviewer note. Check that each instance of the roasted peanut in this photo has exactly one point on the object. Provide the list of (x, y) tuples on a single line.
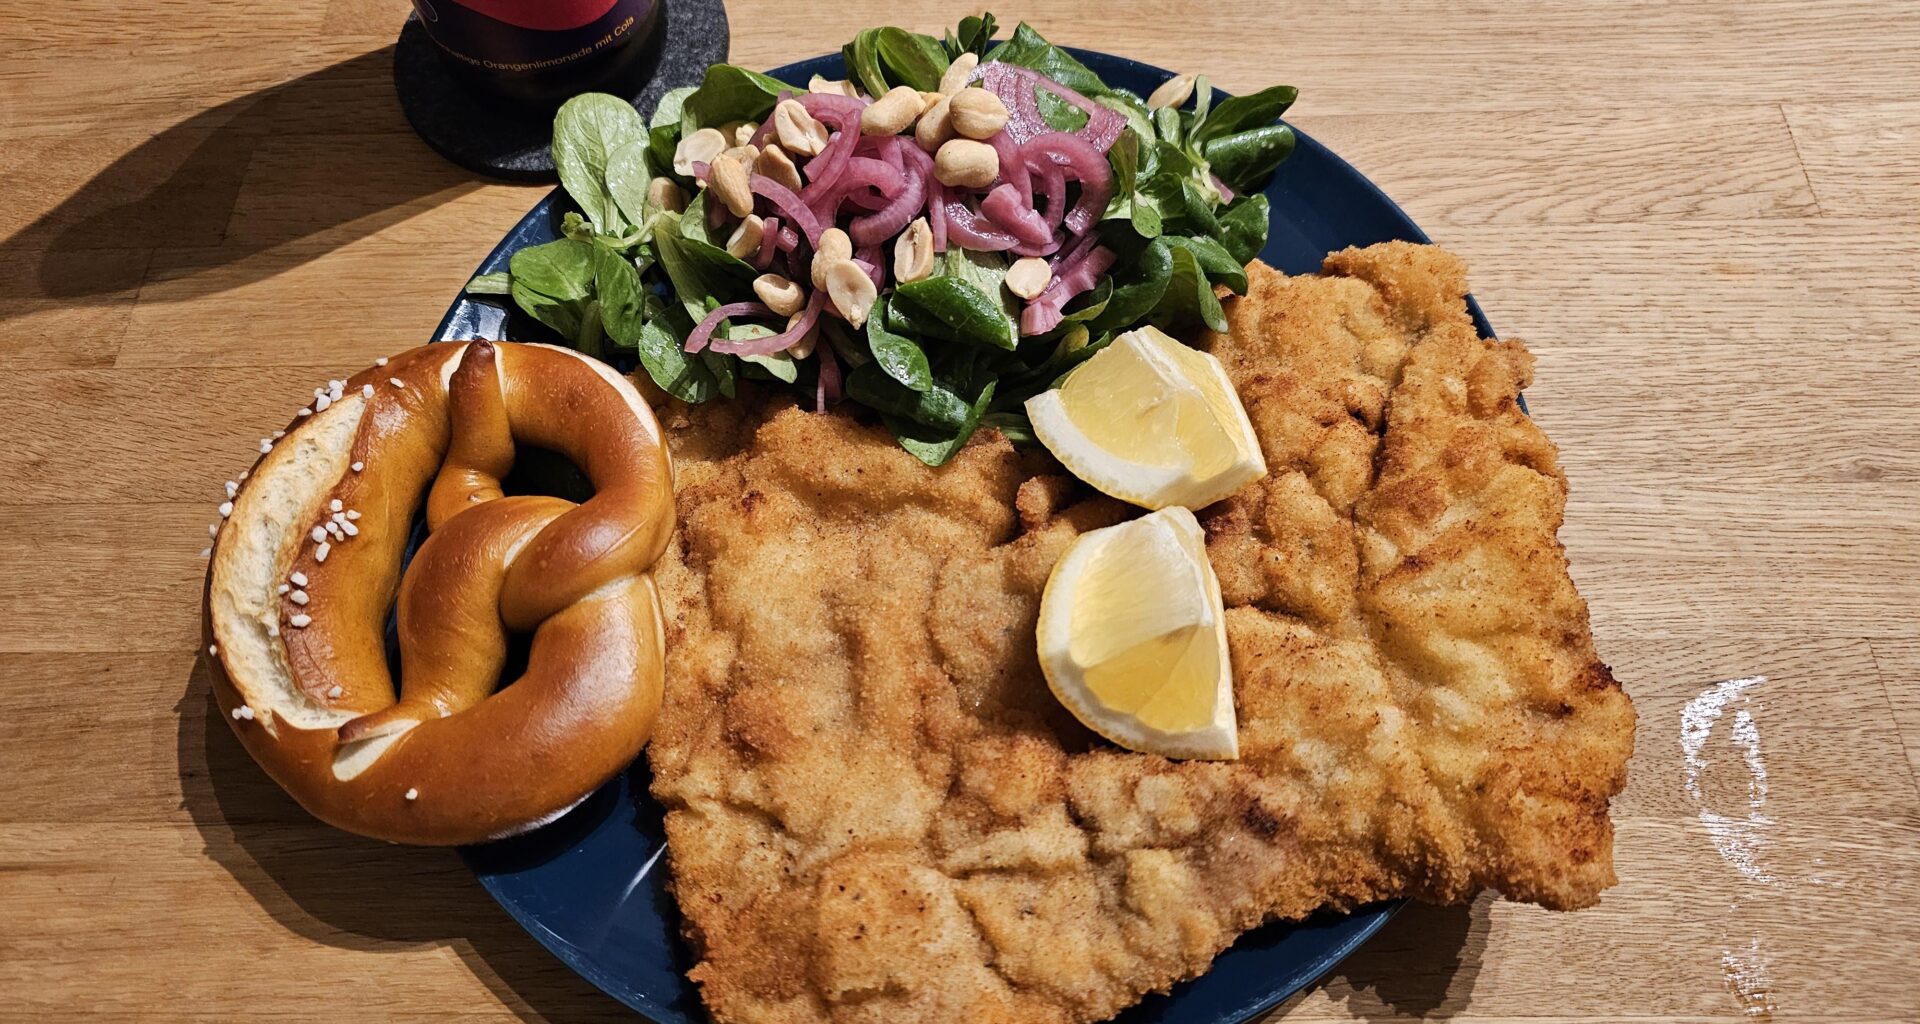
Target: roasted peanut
[(774, 163), (804, 347), (835, 247), (934, 127), (1028, 277), (893, 113), (727, 180), (779, 294), (964, 163), (913, 252), (1172, 93), (832, 86), (700, 147), (977, 113), (797, 130), (663, 194), (957, 73), (745, 240), (851, 291)]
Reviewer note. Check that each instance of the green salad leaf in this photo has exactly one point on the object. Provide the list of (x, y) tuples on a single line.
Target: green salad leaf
[(702, 275), (1243, 228), (586, 131), (1242, 160), (623, 299), (862, 57), (973, 35), (561, 269), (935, 407), (1188, 302), (729, 93), (1137, 288), (935, 447), (499, 283), (778, 366), (1237, 114), (576, 227), (911, 59), (952, 308), (898, 355), (1215, 261), (1014, 426), (1029, 50), (678, 374), (629, 169)]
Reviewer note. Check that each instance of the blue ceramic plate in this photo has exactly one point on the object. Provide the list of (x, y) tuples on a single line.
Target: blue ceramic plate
[(592, 886)]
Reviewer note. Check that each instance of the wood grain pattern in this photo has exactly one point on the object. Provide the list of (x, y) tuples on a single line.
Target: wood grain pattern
[(1701, 217)]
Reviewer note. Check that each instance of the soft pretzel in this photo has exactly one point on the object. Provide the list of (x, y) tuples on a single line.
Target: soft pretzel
[(306, 565)]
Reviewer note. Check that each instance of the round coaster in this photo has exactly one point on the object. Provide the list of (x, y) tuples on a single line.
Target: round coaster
[(489, 136)]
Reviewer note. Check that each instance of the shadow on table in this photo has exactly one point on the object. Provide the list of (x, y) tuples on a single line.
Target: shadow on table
[(343, 890), (1421, 966), (328, 152)]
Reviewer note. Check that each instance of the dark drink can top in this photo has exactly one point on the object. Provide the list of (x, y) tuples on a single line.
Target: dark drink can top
[(542, 51)]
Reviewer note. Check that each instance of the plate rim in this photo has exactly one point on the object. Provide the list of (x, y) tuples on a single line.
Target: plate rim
[(1367, 920)]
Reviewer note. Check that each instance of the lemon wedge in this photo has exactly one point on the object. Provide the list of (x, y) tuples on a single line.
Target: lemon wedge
[(1133, 638), (1152, 422)]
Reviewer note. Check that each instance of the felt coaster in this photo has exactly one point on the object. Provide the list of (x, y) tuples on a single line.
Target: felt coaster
[(495, 138)]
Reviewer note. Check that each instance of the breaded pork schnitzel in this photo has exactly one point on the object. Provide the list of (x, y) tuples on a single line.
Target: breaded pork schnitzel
[(878, 812)]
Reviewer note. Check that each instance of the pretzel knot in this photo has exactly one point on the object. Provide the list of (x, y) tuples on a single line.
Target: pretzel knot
[(307, 567)]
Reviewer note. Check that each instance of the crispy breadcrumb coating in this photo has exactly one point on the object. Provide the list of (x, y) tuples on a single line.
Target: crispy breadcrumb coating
[(878, 813)]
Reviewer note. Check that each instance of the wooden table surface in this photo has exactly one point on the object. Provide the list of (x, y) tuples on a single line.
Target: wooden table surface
[(1705, 217)]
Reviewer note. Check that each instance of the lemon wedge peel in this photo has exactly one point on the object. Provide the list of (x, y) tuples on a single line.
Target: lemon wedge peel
[(1132, 638), (1151, 422)]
